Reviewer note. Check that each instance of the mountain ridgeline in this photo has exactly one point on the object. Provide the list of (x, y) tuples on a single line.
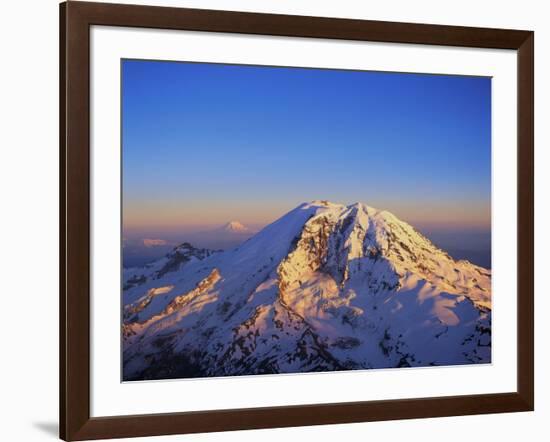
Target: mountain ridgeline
[(326, 287)]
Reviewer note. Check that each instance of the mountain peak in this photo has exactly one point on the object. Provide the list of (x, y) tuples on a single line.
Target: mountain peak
[(361, 206), (325, 204), (235, 226), (319, 203), (325, 287)]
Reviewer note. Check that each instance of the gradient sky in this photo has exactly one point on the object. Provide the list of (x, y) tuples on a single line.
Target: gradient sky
[(207, 143)]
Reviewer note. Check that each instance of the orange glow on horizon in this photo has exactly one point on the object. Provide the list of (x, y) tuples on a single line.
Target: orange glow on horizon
[(160, 215)]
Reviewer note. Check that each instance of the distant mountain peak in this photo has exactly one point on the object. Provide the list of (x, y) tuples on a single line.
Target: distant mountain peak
[(235, 227), (154, 242)]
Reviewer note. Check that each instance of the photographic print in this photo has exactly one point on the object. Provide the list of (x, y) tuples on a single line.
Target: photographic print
[(294, 220)]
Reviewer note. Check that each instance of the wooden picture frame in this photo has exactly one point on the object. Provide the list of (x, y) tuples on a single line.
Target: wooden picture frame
[(75, 21)]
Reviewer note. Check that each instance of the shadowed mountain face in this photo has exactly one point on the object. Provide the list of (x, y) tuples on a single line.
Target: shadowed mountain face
[(326, 287)]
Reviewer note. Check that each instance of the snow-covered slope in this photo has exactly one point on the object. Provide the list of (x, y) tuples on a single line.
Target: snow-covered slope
[(171, 262), (325, 287)]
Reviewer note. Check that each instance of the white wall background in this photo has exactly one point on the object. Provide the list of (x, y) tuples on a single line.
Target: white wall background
[(29, 218)]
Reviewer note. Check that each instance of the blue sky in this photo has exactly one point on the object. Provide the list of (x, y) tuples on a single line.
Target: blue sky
[(207, 143)]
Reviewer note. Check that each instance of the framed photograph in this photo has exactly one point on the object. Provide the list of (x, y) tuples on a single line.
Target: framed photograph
[(272, 220)]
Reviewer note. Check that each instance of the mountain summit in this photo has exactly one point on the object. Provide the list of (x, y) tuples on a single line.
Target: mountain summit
[(235, 227), (325, 287)]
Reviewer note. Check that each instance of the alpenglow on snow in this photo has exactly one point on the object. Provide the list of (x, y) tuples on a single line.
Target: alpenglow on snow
[(325, 287)]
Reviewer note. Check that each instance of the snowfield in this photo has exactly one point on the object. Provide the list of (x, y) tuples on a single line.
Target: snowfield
[(326, 287)]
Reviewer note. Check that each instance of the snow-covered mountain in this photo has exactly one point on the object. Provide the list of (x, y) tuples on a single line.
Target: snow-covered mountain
[(172, 261), (325, 287), (235, 227)]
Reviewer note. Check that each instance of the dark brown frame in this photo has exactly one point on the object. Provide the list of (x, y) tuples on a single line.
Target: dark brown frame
[(75, 21)]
